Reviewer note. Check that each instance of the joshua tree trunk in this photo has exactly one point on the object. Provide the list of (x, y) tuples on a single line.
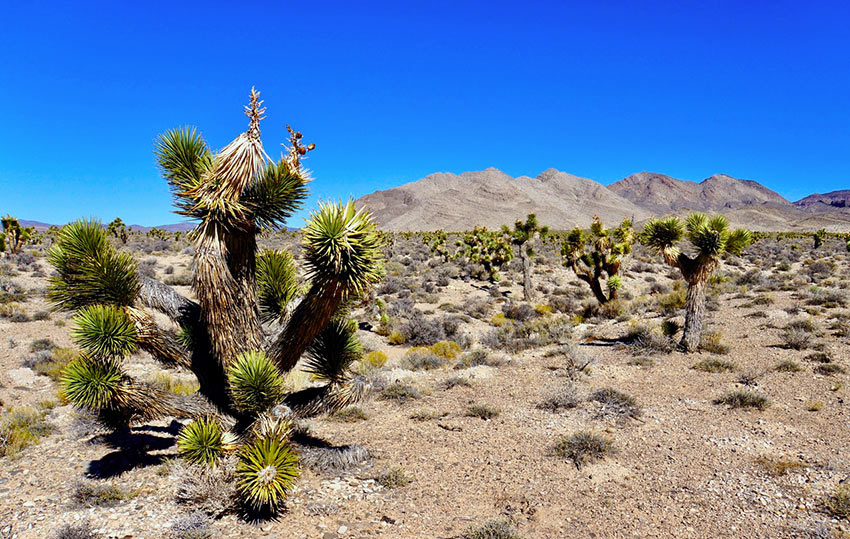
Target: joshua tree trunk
[(694, 311), (527, 290)]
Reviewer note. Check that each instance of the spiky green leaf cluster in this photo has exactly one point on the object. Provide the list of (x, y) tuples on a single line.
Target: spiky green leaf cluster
[(255, 382), (277, 284), (90, 271), (662, 234), (266, 471), (525, 231), (201, 441), (342, 249), (104, 331), (93, 384), (333, 351), (184, 158), (278, 192)]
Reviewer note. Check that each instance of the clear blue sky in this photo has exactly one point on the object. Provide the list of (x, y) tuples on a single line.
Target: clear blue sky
[(393, 91)]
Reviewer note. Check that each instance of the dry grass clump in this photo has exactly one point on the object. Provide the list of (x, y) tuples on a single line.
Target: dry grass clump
[(20, 427), (210, 490), (81, 530), (564, 397), (743, 398), (584, 447), (394, 477), (482, 411), (829, 369), (798, 334), (711, 342), (500, 528), (195, 525), (617, 403), (399, 392), (645, 340), (478, 357), (90, 494), (779, 466), (715, 365), (788, 365), (838, 503), (421, 358), (350, 414)]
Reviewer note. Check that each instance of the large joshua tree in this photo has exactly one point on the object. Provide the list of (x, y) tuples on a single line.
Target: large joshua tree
[(710, 238), (249, 325), (596, 255)]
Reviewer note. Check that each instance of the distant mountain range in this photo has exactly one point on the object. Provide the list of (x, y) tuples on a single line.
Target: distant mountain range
[(174, 227), (492, 198)]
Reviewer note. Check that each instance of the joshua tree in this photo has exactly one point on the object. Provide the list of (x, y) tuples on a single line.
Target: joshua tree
[(118, 230), (247, 328), (523, 236), (847, 240), (711, 238), (819, 237), (15, 236), (485, 247), (597, 255), (437, 242)]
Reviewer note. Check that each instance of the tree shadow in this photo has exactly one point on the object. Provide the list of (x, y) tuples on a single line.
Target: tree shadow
[(134, 448)]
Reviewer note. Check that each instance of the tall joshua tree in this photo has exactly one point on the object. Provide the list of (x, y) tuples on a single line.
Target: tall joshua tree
[(597, 255), (523, 236), (248, 326), (710, 238)]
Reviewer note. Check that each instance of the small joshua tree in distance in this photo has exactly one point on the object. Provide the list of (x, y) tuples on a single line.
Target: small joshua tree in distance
[(523, 236), (597, 255)]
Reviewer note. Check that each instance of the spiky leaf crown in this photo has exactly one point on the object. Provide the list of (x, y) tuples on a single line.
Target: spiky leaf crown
[(255, 382)]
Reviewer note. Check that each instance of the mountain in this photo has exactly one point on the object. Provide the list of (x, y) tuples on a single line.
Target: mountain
[(660, 193), (835, 199), (492, 198)]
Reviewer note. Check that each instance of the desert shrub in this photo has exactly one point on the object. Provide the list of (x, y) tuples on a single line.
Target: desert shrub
[(743, 399), (350, 414), (394, 477), (422, 358), (838, 503), (211, 490), (711, 342), (391, 285), (798, 334), (819, 357), (671, 302), (482, 411), (477, 307), (499, 320), (375, 359), (564, 397), (500, 528), (52, 363), (825, 297), (446, 349), (81, 530), (715, 365), (195, 525), (829, 369), (399, 392), (563, 304), (788, 365), (455, 381), (780, 466), (421, 331), (616, 402), (518, 311), (477, 357), (183, 278), (21, 427), (645, 340), (91, 494), (396, 337), (583, 447)]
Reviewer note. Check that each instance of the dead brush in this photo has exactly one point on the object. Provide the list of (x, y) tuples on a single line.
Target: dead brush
[(616, 403), (584, 447)]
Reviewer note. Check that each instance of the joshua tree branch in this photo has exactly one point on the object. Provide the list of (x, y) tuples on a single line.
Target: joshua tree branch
[(164, 299)]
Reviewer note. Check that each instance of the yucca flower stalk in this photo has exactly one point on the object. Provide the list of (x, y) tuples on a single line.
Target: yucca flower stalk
[(252, 321), (710, 239)]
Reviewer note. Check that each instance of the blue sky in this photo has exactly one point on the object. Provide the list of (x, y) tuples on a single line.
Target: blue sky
[(393, 91)]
